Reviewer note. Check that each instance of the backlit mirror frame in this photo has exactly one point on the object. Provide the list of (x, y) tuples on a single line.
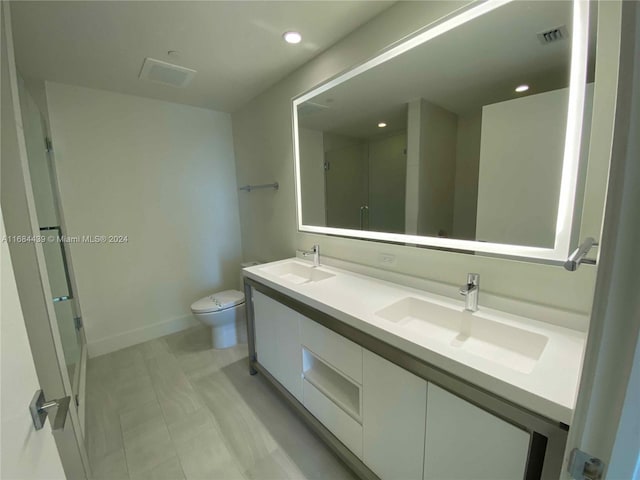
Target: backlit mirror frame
[(566, 224)]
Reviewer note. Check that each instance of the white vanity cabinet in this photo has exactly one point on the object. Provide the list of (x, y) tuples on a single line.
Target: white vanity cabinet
[(394, 423), (465, 442), (277, 337), (413, 429), (394, 406)]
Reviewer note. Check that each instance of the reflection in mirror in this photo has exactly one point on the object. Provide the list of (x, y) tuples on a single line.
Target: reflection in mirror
[(462, 136)]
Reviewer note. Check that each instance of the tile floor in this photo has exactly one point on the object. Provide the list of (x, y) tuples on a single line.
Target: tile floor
[(173, 408)]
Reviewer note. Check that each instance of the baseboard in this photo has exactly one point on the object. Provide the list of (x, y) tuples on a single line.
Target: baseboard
[(139, 335)]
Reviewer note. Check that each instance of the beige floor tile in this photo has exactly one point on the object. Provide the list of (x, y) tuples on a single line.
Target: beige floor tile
[(127, 357), (112, 466), (245, 433), (146, 447), (98, 367), (277, 466), (179, 403), (206, 456), (192, 340), (175, 393), (196, 365), (192, 425), (175, 408), (103, 430), (209, 438), (154, 431), (214, 470), (147, 414), (231, 355), (294, 438), (170, 469), (136, 371), (153, 348), (132, 393)]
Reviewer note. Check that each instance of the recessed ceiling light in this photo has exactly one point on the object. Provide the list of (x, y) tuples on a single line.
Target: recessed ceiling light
[(382, 125), (292, 37), (522, 88)]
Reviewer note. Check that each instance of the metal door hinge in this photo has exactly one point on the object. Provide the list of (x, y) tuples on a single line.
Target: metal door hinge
[(77, 398), (77, 321), (327, 166), (39, 409), (48, 144), (583, 466)]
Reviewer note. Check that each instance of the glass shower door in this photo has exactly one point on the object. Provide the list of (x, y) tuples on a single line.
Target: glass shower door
[(69, 322), (51, 236)]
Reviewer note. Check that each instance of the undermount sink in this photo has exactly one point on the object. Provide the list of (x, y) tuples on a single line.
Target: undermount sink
[(507, 345), (298, 273)]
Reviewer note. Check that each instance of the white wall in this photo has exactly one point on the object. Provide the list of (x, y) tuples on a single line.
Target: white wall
[(161, 174), (262, 130)]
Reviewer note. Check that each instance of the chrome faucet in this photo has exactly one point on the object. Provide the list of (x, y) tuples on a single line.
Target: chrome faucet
[(315, 251), (470, 291)]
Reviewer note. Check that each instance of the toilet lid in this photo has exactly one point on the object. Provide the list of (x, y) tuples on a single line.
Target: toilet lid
[(218, 301)]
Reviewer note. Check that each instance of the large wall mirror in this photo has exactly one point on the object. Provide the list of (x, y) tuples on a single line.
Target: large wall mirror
[(472, 134)]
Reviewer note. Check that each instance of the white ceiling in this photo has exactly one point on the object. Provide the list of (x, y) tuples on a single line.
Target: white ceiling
[(235, 46)]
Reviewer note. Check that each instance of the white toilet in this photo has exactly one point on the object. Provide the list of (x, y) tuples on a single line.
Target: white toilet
[(224, 313)]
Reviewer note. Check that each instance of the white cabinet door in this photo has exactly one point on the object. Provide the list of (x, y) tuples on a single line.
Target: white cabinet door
[(277, 330), (394, 409), (266, 319), (464, 442)]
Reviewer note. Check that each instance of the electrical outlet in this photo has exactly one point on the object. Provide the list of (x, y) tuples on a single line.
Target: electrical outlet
[(387, 259)]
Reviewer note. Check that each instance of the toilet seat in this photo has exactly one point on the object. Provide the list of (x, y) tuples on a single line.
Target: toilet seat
[(218, 302)]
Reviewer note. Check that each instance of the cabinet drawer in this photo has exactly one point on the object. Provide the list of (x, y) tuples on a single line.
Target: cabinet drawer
[(342, 354), (345, 428)]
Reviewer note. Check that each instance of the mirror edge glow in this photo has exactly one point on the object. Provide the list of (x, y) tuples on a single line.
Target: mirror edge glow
[(565, 222)]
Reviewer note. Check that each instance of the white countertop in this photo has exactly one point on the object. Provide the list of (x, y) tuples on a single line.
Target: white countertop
[(550, 388)]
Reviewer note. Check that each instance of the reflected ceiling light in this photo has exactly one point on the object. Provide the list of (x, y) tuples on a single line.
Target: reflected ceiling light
[(292, 37), (382, 125), (522, 88)]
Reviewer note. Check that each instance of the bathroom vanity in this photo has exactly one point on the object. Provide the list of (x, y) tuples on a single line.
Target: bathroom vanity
[(402, 383), (434, 143)]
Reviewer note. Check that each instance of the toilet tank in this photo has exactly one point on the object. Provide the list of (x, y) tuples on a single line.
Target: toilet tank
[(245, 265)]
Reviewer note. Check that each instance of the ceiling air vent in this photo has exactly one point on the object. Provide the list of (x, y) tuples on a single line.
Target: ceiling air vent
[(553, 35), (166, 73)]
